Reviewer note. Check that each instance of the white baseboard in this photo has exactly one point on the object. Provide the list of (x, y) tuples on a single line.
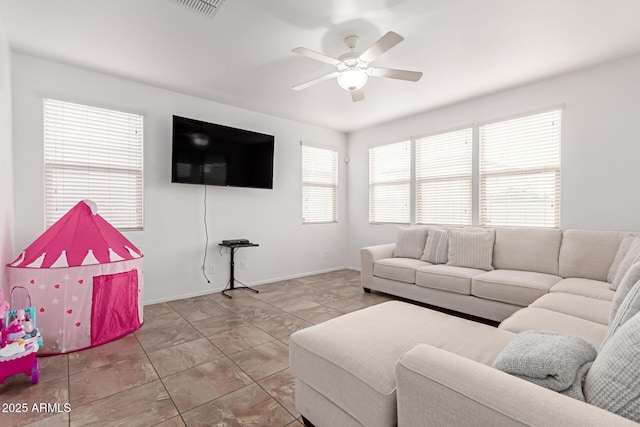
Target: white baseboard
[(297, 276), (183, 296), (252, 284)]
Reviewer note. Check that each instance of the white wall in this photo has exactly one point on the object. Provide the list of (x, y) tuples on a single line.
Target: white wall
[(173, 238), (6, 161), (600, 147)]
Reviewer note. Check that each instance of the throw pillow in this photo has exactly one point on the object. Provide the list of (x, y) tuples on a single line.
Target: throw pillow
[(613, 381), (622, 251), (626, 284), (631, 257), (437, 248), (472, 249), (628, 308), (410, 242)]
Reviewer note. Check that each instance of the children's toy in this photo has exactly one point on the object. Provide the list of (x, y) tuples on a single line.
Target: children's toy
[(4, 308), (19, 347), (11, 333), (84, 278), (24, 320)]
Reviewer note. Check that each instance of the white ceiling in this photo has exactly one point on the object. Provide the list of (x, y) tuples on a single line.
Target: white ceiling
[(242, 57)]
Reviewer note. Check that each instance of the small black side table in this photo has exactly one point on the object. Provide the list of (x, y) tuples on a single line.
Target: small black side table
[(232, 280)]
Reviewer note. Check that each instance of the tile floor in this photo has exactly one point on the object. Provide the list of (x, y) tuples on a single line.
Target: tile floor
[(199, 361)]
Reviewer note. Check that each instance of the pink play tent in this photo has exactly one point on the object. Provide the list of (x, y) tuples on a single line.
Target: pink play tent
[(85, 280)]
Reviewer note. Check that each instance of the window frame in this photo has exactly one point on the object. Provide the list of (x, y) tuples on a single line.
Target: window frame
[(555, 169), (310, 184), (63, 142), (419, 142), (377, 219)]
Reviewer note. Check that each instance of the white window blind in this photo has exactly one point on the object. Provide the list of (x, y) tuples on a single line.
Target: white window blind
[(520, 171), (319, 184), (389, 183), (93, 153), (443, 178)]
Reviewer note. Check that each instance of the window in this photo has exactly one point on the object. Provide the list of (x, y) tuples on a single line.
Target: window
[(520, 171), (389, 183), (93, 153), (443, 178), (319, 184)]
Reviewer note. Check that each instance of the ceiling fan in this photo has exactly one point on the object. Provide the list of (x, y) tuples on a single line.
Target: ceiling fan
[(353, 68)]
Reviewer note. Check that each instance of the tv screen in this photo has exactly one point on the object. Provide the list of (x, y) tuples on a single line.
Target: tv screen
[(211, 154)]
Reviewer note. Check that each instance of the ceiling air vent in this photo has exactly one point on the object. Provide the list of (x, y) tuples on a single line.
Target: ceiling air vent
[(207, 8)]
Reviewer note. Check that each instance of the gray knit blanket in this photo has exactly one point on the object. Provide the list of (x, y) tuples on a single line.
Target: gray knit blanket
[(555, 361)]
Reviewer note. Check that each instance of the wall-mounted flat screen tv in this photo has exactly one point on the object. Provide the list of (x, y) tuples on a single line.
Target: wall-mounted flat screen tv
[(211, 154)]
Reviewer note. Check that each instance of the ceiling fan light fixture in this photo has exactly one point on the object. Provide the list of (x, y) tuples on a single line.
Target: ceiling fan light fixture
[(353, 69), (352, 79)]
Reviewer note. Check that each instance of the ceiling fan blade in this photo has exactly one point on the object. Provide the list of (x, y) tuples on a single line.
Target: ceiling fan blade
[(316, 81), (316, 55), (390, 73), (383, 44), (357, 95)]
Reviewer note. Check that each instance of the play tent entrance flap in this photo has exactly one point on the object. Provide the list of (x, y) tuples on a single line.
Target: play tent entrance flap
[(85, 280)]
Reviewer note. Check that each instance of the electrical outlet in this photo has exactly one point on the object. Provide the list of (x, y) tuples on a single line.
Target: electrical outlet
[(326, 254), (243, 265), (209, 269)]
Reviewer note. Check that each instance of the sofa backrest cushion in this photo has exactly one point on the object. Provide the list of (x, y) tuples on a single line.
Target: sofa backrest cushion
[(631, 257), (628, 307), (612, 381), (410, 242), (629, 280), (471, 248), (588, 253), (627, 240), (527, 249), (436, 251)]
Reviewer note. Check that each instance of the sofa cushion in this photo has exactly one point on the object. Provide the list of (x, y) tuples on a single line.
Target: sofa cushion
[(612, 381), (541, 319), (629, 307), (512, 286), (527, 249), (592, 309), (410, 242), (588, 253), (447, 278), (585, 287), (471, 248), (631, 257), (436, 250), (626, 284), (400, 269), (331, 356), (622, 252)]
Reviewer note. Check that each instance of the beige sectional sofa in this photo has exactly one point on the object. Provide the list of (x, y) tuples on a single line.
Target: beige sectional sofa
[(402, 364), (528, 263)]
